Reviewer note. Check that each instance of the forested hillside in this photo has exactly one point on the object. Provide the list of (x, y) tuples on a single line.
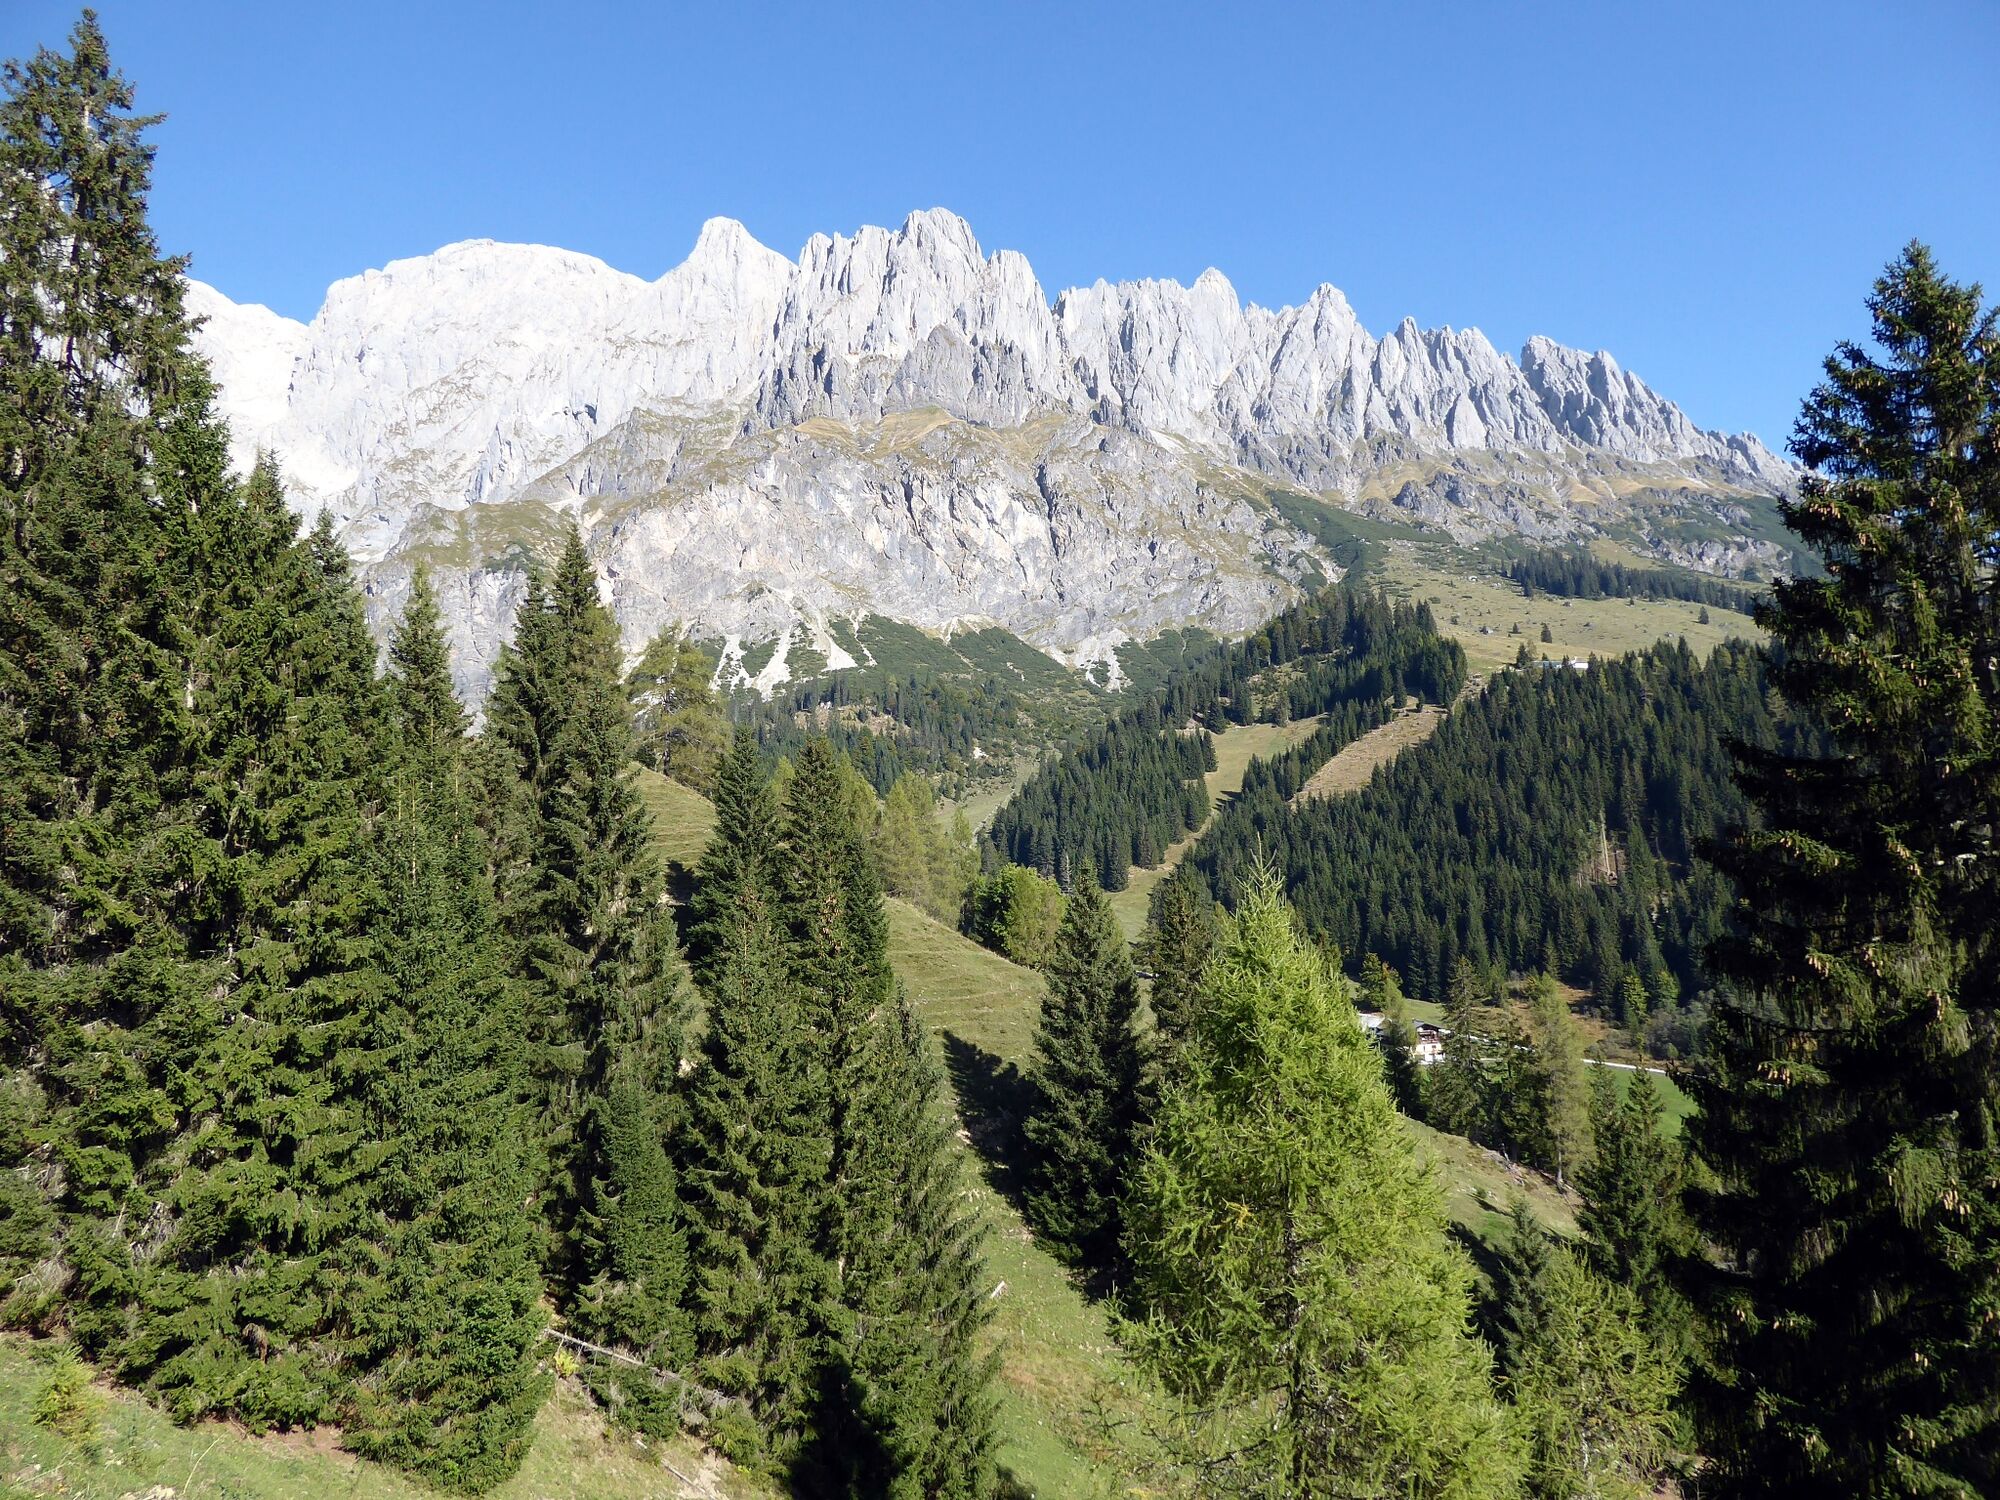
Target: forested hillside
[(1131, 789), (1554, 821)]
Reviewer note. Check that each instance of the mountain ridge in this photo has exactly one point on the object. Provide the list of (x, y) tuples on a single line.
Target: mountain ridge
[(1098, 467)]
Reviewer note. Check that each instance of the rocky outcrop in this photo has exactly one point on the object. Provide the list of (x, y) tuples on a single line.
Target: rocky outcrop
[(899, 423)]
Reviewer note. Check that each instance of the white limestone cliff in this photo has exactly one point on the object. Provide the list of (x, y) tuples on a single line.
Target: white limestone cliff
[(899, 423)]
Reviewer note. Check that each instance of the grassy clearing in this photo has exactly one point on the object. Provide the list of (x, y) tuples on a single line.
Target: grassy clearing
[(1481, 1185), (1480, 609), (990, 793), (139, 1452), (683, 820), (962, 988), (1351, 768), (1074, 1413), (1678, 1105)]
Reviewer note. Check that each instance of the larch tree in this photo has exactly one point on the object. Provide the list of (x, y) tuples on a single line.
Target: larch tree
[(680, 727), (1562, 1087), (1299, 1290)]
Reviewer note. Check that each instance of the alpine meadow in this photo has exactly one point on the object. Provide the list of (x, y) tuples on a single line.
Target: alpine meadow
[(836, 877)]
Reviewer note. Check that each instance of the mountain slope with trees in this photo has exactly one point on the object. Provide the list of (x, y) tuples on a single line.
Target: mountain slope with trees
[(1555, 821)]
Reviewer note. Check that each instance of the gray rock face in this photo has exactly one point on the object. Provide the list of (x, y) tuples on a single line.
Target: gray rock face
[(898, 423)]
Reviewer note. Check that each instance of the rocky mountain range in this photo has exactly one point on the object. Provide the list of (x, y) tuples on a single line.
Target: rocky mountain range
[(899, 424)]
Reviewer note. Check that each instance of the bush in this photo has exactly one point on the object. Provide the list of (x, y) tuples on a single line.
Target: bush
[(66, 1405)]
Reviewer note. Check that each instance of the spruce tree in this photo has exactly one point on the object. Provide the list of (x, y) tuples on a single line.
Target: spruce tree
[(190, 749), (633, 1249), (758, 1157), (443, 1290), (1084, 1120), (1846, 1109), (838, 955), (1180, 932), (1632, 1218), (741, 857), (1301, 1295), (915, 1418), (588, 910), (1592, 1393), (898, 1399), (1455, 1089)]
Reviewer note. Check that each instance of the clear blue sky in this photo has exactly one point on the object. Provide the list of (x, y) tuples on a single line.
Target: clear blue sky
[(1704, 189)]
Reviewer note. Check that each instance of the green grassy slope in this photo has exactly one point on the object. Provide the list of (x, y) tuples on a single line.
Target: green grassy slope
[(139, 1453), (1070, 1404)]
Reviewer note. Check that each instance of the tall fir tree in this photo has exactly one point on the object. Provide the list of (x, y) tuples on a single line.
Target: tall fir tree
[(1593, 1394), (757, 1165), (1087, 1109), (1633, 1221), (1846, 1109), (1455, 1089), (838, 953), (741, 856), (108, 457), (1179, 935), (1301, 1295), (443, 1291), (899, 1405), (915, 1418), (189, 738), (588, 909)]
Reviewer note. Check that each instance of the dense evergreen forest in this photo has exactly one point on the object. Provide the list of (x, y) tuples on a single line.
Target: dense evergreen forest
[(1133, 788), (1553, 822), (1572, 573), (890, 726)]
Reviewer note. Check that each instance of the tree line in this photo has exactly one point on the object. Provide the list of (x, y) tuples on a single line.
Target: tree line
[(1573, 573)]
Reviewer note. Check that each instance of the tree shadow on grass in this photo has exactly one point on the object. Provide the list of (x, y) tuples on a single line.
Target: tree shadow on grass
[(993, 1099)]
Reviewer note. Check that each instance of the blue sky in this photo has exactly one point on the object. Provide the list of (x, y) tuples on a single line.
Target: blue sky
[(1704, 189)]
